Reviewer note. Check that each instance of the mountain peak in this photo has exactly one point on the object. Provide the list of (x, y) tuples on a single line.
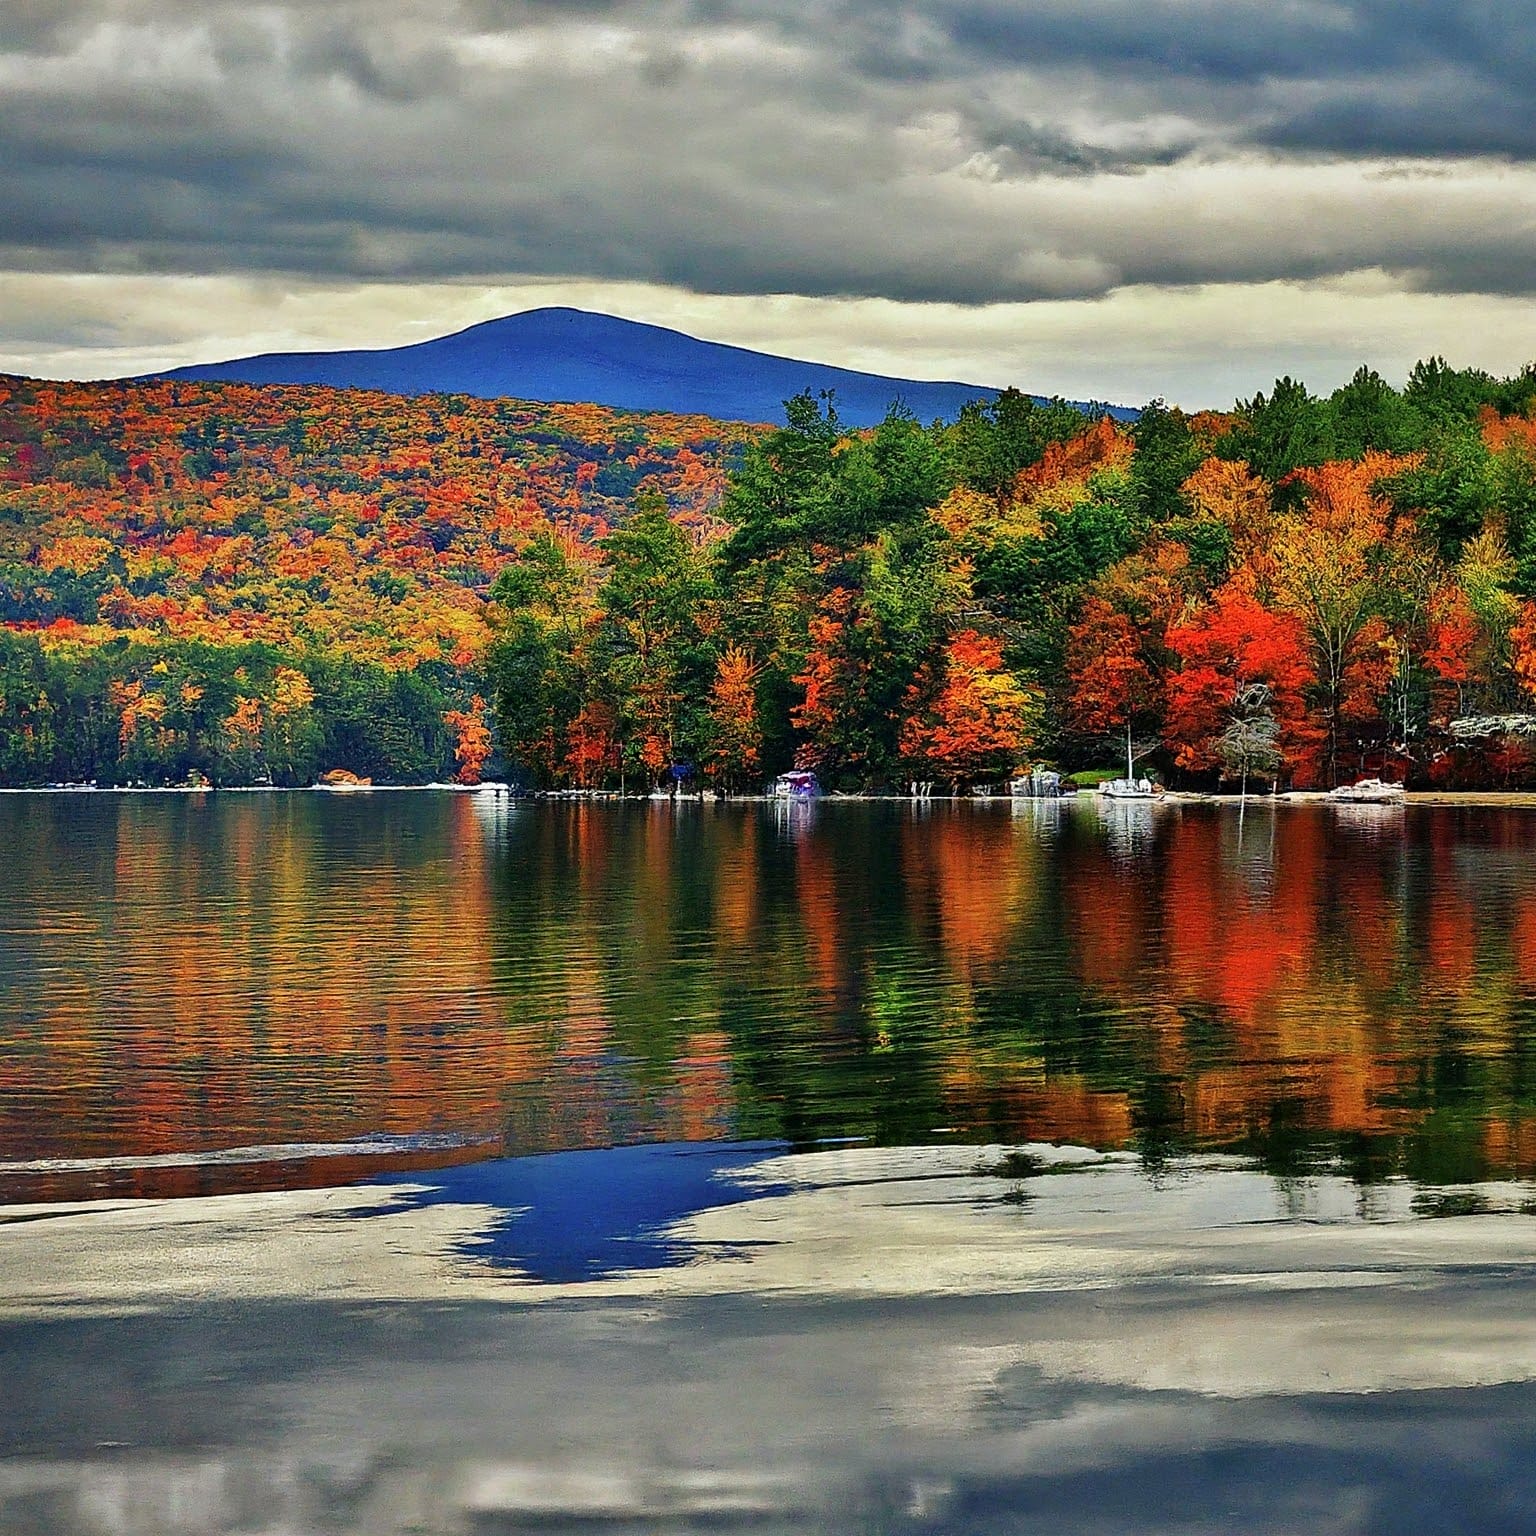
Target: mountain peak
[(560, 353)]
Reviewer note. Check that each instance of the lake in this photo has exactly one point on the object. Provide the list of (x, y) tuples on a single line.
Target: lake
[(218, 991)]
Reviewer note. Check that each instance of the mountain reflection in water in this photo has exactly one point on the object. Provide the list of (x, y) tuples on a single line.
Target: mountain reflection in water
[(571, 1216), (1312, 986)]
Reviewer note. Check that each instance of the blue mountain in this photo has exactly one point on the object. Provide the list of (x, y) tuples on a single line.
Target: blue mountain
[(574, 355)]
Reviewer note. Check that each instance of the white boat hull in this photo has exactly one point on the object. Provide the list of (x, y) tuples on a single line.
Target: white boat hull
[(1368, 792)]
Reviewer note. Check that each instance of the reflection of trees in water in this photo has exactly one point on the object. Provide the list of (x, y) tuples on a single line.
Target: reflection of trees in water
[(1017, 975), (295, 968), (1248, 847), (246, 969)]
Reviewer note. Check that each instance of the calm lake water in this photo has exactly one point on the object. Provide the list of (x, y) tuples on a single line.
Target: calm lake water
[(441, 977)]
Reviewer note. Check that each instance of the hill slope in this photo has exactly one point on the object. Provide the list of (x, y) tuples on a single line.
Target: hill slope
[(267, 580), (574, 355), (304, 516)]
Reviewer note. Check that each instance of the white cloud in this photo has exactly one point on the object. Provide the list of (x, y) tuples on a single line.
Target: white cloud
[(1146, 196)]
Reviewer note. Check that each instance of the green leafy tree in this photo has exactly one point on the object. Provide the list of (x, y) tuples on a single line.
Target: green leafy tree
[(1367, 413), (536, 663), (656, 602), (1278, 433), (993, 440), (1166, 456)]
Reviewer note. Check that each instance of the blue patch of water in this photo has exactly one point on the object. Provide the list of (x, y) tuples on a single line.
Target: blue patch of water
[(573, 1216)]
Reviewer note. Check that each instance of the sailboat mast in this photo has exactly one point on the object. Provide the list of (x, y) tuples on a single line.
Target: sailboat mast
[(1130, 763)]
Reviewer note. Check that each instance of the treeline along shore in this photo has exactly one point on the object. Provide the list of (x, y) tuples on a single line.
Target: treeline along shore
[(260, 584)]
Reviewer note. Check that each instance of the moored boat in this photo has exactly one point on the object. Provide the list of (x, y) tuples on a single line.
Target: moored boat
[(1368, 792), (799, 785), (1130, 789)]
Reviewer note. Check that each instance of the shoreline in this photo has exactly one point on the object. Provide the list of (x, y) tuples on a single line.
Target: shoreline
[(1515, 799)]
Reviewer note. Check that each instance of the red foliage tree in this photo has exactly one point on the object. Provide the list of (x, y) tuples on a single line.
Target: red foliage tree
[(1232, 642), (1112, 684)]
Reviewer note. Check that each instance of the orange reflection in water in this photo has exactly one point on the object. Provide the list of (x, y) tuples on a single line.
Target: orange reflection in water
[(191, 973), (232, 981)]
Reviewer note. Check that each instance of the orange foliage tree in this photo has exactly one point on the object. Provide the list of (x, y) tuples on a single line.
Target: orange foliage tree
[(1111, 684), (592, 752), (975, 719), (1330, 564), (828, 678), (1523, 639), (737, 735), (471, 739)]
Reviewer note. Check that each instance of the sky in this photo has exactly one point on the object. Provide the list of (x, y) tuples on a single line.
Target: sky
[(1108, 199)]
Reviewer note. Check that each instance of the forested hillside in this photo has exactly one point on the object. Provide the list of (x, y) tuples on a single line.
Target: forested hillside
[(266, 582), (1301, 590)]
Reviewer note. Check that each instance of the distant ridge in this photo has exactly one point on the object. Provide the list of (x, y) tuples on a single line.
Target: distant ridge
[(575, 355)]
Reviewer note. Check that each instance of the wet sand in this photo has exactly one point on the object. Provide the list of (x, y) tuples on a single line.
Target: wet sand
[(852, 1341)]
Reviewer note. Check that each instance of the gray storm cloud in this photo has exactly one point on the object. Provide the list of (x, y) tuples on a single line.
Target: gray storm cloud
[(972, 153)]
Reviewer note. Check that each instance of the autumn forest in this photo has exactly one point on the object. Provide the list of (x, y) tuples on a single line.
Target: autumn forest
[(259, 584)]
